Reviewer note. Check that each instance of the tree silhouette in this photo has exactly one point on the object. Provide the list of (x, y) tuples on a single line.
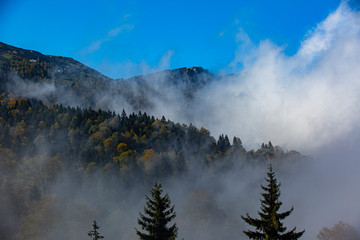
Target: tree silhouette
[(270, 225), (94, 234), (159, 213)]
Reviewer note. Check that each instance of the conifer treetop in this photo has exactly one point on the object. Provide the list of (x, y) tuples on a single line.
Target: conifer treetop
[(270, 224), (158, 212), (94, 234)]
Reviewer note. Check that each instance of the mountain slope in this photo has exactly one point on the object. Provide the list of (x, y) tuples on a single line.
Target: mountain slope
[(67, 81), (33, 65)]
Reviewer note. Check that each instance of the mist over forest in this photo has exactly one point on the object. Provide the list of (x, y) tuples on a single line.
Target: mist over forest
[(76, 145)]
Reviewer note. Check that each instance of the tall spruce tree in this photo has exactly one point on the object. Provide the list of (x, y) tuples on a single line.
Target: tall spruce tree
[(159, 213), (270, 225), (94, 234)]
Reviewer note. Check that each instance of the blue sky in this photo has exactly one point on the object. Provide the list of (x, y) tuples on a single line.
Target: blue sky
[(124, 38)]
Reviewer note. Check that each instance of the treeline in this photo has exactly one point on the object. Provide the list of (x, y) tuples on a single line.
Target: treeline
[(136, 142)]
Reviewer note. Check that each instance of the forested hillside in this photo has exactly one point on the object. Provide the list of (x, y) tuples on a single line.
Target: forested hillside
[(88, 137), (44, 142)]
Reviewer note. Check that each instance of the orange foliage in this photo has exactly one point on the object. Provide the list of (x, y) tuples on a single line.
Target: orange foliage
[(340, 231)]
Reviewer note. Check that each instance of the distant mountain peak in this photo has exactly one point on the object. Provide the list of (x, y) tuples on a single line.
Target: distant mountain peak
[(198, 69)]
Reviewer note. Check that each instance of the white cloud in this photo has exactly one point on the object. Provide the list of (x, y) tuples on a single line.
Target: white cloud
[(165, 60), (301, 101), (116, 31), (113, 33), (340, 22), (94, 46), (129, 68)]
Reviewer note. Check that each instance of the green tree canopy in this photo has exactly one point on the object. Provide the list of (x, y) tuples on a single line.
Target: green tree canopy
[(158, 213), (270, 225)]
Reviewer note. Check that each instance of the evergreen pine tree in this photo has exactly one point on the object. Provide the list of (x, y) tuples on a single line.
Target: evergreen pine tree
[(270, 146), (226, 143), (159, 213), (94, 234), (270, 225)]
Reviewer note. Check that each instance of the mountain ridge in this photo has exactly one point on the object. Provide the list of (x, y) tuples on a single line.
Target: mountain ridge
[(87, 87), (33, 56)]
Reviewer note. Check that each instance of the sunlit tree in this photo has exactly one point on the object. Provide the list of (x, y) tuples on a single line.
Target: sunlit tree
[(270, 224)]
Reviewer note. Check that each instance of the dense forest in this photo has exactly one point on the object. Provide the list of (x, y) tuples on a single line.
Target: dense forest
[(121, 143)]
